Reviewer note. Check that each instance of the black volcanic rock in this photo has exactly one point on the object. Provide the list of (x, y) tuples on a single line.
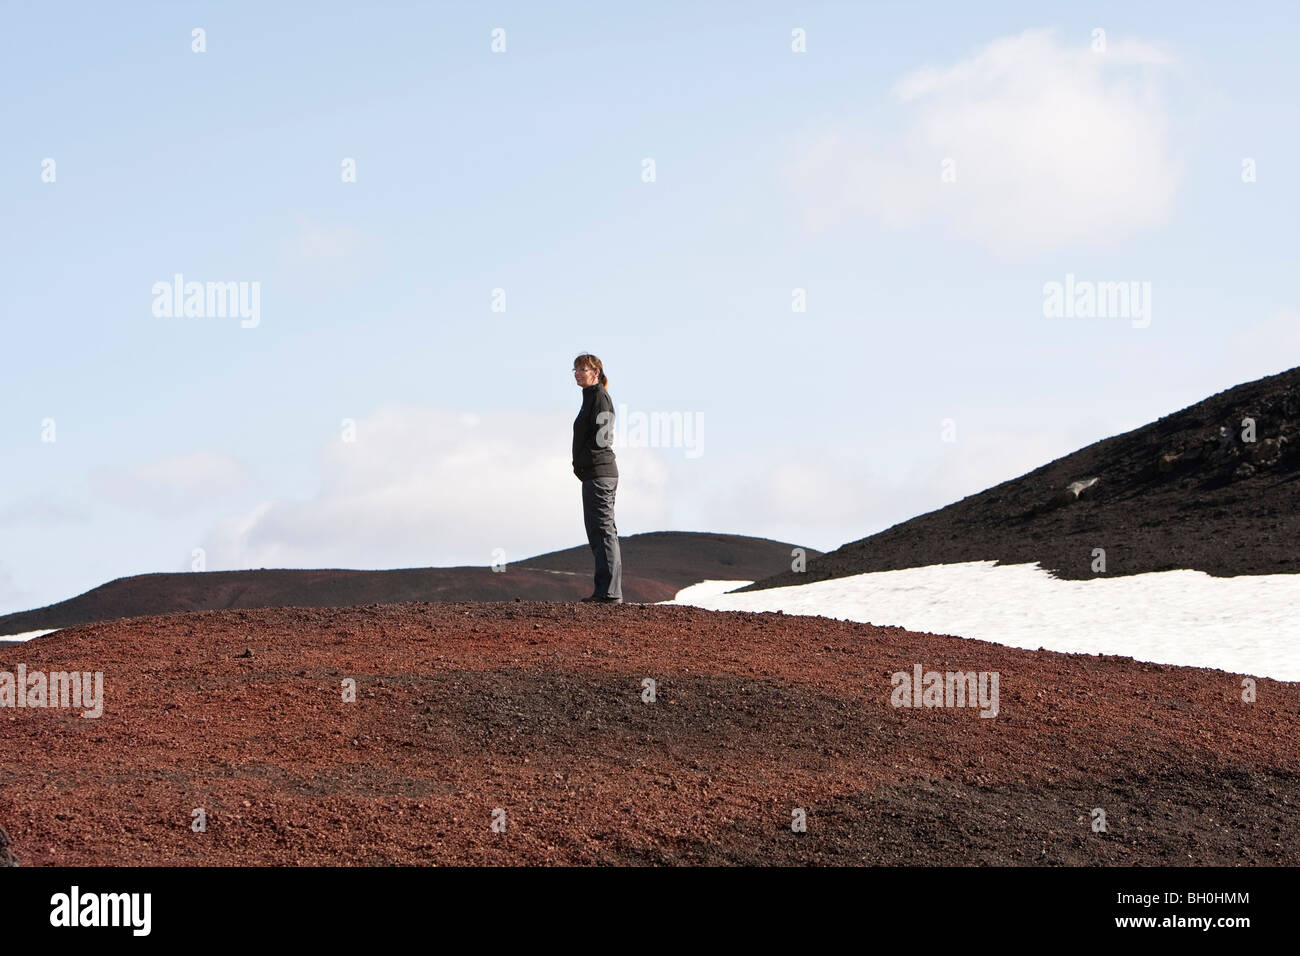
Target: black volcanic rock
[(1186, 491), (656, 566)]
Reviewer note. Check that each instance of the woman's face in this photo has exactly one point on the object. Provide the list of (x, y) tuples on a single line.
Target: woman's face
[(585, 376)]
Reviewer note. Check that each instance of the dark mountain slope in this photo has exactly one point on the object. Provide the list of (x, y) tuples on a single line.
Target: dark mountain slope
[(656, 566), (1185, 491)]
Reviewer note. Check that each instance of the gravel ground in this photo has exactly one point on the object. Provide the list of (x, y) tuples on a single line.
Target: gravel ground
[(536, 708)]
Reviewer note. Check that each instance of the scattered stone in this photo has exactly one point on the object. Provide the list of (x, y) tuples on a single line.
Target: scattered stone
[(1076, 490), (7, 857), (1267, 451)]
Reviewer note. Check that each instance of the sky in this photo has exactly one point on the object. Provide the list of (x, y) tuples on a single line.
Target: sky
[(820, 234)]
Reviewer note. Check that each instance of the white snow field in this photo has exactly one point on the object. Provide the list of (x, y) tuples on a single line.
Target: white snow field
[(26, 635), (1246, 625)]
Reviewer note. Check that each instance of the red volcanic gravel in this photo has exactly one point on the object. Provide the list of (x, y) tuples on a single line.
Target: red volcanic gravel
[(536, 709)]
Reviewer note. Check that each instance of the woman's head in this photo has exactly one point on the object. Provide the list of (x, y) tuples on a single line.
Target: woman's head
[(587, 370)]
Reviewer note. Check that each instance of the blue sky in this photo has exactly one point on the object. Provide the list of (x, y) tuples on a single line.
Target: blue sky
[(522, 170)]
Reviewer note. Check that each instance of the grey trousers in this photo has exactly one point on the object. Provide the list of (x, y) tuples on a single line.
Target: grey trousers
[(602, 534)]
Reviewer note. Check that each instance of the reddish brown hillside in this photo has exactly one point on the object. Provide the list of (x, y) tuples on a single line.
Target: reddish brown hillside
[(537, 709)]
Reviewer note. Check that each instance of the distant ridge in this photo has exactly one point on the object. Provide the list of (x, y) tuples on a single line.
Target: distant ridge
[(656, 565), (1185, 491)]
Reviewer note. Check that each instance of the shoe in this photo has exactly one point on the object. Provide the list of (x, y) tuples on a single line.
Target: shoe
[(600, 599)]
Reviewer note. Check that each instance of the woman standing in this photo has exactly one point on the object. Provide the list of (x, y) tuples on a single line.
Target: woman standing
[(593, 463)]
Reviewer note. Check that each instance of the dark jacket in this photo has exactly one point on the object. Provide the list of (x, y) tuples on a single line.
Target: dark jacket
[(591, 459)]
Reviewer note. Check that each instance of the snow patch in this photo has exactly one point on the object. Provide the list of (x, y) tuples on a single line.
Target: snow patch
[(703, 590), (1246, 625), (27, 635)]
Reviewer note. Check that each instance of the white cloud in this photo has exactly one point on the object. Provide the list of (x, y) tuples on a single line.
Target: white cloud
[(172, 485), (1050, 143), (824, 498), (425, 487)]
